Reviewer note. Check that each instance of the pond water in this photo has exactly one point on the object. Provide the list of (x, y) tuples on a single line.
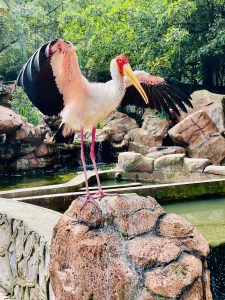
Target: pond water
[(8, 182), (18, 181), (208, 216)]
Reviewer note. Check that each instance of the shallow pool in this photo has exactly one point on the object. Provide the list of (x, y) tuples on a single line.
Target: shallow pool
[(207, 215), (8, 182)]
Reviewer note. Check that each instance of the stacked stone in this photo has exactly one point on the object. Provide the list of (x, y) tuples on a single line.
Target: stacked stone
[(168, 163), (24, 146), (127, 248), (24, 260)]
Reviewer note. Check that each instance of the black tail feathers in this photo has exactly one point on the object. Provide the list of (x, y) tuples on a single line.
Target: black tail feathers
[(60, 138)]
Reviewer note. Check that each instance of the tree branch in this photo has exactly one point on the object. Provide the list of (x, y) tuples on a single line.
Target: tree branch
[(4, 47)]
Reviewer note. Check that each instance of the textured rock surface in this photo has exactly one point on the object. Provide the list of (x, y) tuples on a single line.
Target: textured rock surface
[(172, 162), (169, 281), (9, 120), (24, 258), (165, 150), (131, 162), (127, 249), (212, 104), (218, 170), (117, 125), (195, 164), (199, 133), (151, 134)]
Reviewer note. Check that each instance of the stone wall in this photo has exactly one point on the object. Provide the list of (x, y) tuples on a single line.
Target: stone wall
[(25, 234)]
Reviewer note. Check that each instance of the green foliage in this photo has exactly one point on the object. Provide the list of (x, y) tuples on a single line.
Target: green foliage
[(162, 37), (23, 106), (23, 28)]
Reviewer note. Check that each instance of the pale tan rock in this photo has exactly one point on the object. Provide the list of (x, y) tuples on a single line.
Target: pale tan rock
[(97, 269), (174, 226), (195, 164), (146, 252), (206, 278), (27, 133), (5, 234), (154, 155), (173, 162), (195, 292), (118, 125), (9, 120), (165, 150), (146, 296), (104, 250), (146, 138), (169, 281), (217, 170), (183, 234), (45, 149), (133, 214), (213, 149), (135, 162), (151, 134), (210, 103), (193, 130), (199, 133)]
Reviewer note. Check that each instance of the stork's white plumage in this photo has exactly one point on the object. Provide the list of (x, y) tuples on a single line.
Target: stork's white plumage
[(54, 83), (85, 103)]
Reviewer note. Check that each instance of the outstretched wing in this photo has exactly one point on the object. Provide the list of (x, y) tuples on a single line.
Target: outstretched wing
[(38, 81), (163, 95)]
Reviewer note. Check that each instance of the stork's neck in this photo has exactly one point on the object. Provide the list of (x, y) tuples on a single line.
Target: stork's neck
[(116, 76)]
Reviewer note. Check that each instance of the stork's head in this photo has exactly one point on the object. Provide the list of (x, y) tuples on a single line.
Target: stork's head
[(125, 70)]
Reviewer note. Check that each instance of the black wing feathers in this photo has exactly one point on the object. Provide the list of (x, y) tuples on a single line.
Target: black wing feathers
[(163, 96), (37, 80)]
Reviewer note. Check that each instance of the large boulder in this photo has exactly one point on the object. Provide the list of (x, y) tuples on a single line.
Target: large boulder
[(9, 120), (28, 133), (151, 134), (118, 125), (127, 248), (212, 104), (135, 162), (201, 137)]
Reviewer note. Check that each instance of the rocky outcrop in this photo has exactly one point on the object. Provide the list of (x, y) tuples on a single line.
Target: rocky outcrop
[(210, 103), (25, 147), (9, 120), (116, 128), (127, 248), (151, 134), (201, 137), (135, 162)]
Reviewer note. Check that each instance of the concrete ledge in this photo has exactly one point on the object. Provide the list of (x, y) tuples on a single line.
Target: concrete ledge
[(25, 237)]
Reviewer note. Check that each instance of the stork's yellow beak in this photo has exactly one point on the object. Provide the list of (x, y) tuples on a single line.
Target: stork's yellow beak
[(133, 79)]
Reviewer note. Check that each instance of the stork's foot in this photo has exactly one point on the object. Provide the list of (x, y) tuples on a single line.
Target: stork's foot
[(89, 199), (100, 194)]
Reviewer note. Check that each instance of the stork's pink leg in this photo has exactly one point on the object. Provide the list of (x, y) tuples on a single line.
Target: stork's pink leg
[(82, 156), (87, 197), (92, 155)]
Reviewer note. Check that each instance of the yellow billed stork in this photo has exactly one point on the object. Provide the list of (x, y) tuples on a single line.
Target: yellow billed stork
[(54, 83)]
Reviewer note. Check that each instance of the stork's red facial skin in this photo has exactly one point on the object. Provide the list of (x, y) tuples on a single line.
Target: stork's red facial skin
[(121, 60)]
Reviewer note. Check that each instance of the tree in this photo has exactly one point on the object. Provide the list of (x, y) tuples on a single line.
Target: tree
[(24, 27)]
